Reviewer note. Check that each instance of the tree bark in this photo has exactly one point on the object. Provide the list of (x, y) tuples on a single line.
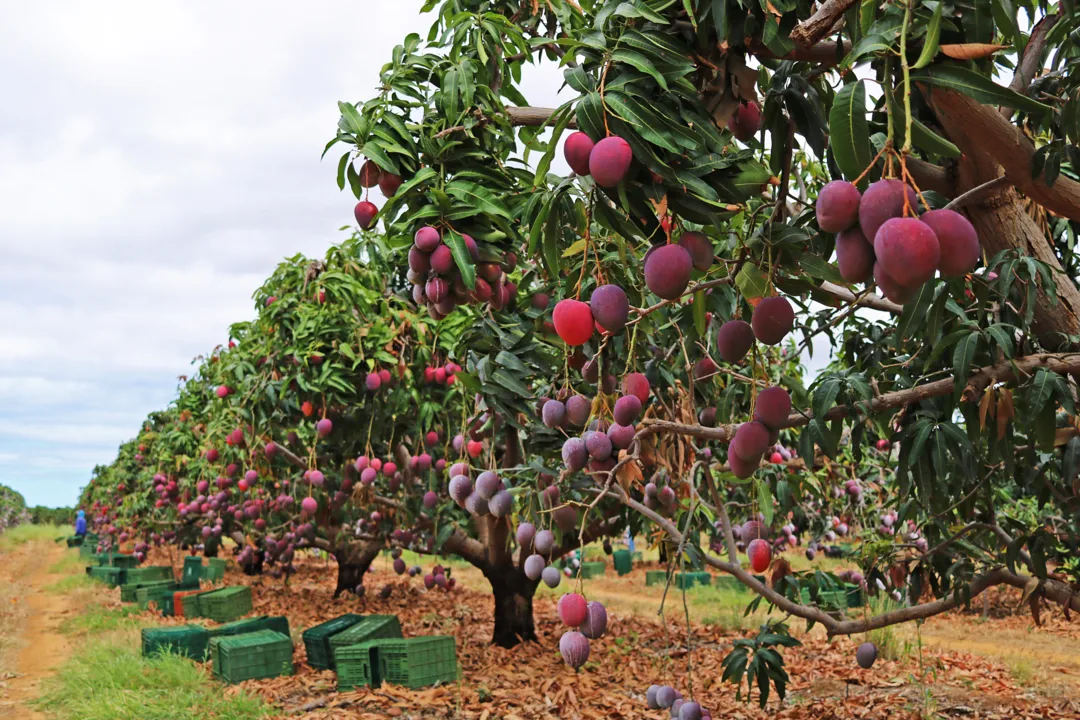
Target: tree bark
[(353, 561), (211, 546), (992, 145), (513, 594)]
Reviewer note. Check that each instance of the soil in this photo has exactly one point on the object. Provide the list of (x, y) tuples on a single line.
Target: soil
[(43, 647), (966, 667)]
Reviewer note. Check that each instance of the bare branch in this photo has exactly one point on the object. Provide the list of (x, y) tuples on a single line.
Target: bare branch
[(1062, 364), (871, 301), (979, 193), (821, 23), (1032, 62)]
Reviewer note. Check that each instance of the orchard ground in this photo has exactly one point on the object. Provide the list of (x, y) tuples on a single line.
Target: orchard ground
[(76, 651)]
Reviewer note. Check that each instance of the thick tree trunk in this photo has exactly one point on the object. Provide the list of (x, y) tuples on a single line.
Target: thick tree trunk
[(254, 566), (513, 606), (353, 561), (211, 547), (991, 147)]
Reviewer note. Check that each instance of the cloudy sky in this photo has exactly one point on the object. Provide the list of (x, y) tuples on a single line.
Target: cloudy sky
[(157, 160)]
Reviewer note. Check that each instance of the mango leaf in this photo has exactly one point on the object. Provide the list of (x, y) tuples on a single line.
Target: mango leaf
[(930, 42), (963, 356), (478, 197), (849, 133), (462, 258), (971, 51), (699, 312), (976, 86), (751, 282), (642, 63), (816, 267)]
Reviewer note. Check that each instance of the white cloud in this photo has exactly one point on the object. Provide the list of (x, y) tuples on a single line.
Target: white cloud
[(157, 160)]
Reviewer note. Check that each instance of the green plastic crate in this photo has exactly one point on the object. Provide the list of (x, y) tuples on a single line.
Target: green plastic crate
[(111, 576), (730, 582), (153, 594), (75, 541), (685, 581), (593, 569), (372, 627), (655, 577), (279, 624), (150, 573), (86, 550), (827, 599), (194, 606), (854, 597), (192, 572), (623, 561), (189, 640), (166, 604), (358, 665), (226, 604), (418, 662), (120, 560), (317, 640), (129, 590), (214, 570), (251, 656)]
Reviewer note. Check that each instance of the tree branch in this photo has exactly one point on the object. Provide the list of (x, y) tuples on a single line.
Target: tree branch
[(1053, 590), (1062, 364), (870, 301), (983, 131), (977, 194), (1032, 61), (820, 24), (532, 116)]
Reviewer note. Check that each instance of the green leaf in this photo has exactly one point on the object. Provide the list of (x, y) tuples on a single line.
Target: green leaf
[(1005, 18), (1042, 389), (977, 86), (849, 133), (699, 312), (511, 383), (373, 151), (751, 282), (511, 362), (930, 42), (642, 63), (462, 258), (765, 500), (816, 267), (351, 119), (963, 356), (478, 197)]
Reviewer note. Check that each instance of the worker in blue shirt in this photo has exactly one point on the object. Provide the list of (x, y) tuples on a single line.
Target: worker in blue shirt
[(80, 524)]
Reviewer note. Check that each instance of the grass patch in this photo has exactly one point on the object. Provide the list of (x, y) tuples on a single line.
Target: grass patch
[(22, 534), (70, 583), (72, 562), (109, 681), (97, 618)]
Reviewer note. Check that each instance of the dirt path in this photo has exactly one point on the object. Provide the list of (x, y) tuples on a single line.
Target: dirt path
[(43, 646)]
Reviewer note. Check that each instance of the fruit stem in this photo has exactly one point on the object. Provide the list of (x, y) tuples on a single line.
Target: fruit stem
[(907, 77), (885, 84)]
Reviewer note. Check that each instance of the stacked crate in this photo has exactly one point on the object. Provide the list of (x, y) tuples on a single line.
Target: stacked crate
[(189, 640), (320, 654), (251, 656), (623, 561), (418, 662), (226, 604), (372, 627), (279, 624)]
